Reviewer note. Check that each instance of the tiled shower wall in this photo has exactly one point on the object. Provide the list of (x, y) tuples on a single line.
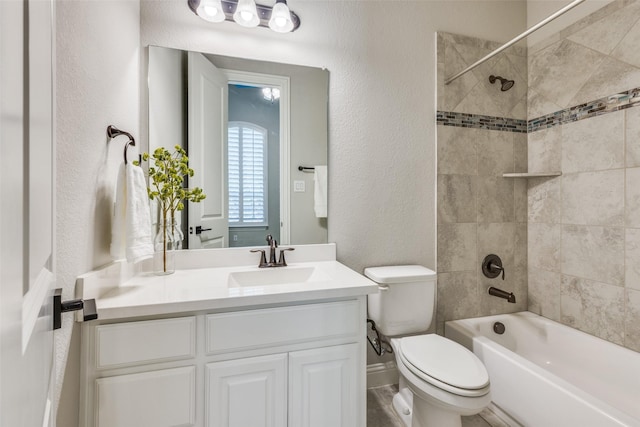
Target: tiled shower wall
[(481, 135), (570, 244), (584, 227)]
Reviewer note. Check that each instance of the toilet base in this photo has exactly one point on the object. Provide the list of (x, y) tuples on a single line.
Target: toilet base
[(403, 405), (420, 413)]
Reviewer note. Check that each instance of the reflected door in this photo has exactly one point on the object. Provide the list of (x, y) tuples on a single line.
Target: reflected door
[(208, 221)]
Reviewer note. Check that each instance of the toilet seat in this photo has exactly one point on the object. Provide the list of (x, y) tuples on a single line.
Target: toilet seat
[(444, 364)]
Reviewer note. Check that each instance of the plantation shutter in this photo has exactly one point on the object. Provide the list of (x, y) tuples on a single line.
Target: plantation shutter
[(247, 157)]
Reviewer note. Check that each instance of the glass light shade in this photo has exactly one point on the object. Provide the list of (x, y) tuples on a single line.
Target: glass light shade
[(211, 10), (246, 14), (280, 21)]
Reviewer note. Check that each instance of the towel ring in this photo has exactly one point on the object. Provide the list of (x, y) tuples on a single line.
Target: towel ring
[(113, 131)]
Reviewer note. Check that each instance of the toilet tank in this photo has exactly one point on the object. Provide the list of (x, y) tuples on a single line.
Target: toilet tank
[(405, 301)]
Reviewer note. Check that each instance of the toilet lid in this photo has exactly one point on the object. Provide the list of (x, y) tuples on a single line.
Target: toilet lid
[(444, 360)]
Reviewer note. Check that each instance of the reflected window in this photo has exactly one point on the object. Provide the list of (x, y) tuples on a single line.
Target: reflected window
[(247, 157)]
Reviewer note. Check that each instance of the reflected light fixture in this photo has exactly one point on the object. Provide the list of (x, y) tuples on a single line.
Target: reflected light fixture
[(247, 13), (211, 10), (271, 93)]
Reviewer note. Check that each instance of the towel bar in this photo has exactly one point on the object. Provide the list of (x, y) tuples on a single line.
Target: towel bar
[(113, 131)]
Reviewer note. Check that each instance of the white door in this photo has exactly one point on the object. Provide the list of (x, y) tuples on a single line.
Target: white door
[(323, 387), (249, 392), (208, 220), (26, 213)]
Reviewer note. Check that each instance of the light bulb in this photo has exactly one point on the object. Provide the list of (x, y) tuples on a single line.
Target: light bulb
[(246, 14), (211, 10), (281, 17)]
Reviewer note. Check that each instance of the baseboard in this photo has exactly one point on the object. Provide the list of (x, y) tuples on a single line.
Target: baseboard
[(379, 374), (502, 417)]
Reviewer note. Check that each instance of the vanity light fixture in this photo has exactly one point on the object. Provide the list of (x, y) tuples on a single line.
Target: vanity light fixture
[(280, 21), (247, 13), (211, 10)]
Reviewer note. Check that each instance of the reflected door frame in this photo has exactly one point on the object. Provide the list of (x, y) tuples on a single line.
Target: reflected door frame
[(282, 82)]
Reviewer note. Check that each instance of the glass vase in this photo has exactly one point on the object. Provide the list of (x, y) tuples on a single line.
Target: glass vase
[(168, 239)]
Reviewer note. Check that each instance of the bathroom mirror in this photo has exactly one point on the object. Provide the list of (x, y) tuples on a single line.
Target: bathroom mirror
[(248, 126)]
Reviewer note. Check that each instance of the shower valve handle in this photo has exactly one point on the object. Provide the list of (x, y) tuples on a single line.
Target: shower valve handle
[(492, 266)]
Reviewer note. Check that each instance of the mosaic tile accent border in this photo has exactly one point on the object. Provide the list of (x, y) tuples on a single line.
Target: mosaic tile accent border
[(478, 121), (608, 104)]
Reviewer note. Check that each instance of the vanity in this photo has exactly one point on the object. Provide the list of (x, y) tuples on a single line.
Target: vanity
[(222, 342)]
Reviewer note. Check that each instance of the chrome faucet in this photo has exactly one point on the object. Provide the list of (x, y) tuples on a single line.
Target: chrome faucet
[(273, 245)]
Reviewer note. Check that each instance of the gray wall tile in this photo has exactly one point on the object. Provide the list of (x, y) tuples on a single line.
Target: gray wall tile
[(593, 198), (495, 153), (632, 197), (632, 320), (544, 200), (495, 200), (593, 144), (456, 247), (632, 258), (457, 150), (545, 150), (593, 307), (457, 196), (544, 246), (593, 252), (544, 293), (632, 136), (457, 295)]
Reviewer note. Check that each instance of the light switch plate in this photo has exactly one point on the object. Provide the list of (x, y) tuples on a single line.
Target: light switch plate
[(299, 186)]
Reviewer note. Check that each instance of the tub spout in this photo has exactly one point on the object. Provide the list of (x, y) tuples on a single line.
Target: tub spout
[(509, 296)]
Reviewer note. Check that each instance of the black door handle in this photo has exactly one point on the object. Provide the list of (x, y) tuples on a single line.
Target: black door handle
[(88, 308), (199, 229)]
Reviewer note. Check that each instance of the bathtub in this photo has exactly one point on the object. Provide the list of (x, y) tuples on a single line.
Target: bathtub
[(544, 374)]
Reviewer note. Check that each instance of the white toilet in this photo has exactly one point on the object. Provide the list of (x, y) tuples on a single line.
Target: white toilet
[(440, 380)]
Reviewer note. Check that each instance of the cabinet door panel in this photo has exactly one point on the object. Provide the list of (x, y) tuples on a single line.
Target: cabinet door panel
[(247, 392), (163, 398), (323, 387)]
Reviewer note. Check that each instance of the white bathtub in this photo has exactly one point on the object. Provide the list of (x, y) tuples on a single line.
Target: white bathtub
[(544, 374)]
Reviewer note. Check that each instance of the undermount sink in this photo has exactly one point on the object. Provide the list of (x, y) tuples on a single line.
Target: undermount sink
[(276, 276)]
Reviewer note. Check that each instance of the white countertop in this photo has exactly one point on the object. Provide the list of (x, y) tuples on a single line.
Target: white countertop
[(199, 289)]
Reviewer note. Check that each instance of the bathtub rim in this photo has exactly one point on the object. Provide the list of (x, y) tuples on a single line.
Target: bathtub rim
[(463, 327)]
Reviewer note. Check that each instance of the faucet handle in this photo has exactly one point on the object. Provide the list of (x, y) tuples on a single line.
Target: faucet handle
[(263, 257), (282, 261)]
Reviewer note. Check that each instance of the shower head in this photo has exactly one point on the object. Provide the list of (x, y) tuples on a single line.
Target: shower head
[(506, 84)]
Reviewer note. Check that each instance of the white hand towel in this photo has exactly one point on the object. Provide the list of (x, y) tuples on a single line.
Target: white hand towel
[(118, 227), (320, 191), (131, 233)]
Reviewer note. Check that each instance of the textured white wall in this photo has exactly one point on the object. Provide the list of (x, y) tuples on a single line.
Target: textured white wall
[(381, 56), (381, 117), (97, 85)]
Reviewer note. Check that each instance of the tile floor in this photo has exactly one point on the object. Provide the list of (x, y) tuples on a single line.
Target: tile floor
[(380, 412)]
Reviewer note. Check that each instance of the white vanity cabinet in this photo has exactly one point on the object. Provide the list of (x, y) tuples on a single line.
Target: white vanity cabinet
[(295, 365)]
